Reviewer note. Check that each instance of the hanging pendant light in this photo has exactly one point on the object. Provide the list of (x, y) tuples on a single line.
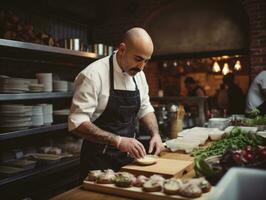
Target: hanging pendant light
[(237, 66), (225, 69), (216, 67)]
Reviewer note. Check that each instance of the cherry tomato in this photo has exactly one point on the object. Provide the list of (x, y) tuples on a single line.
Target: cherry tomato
[(248, 156)]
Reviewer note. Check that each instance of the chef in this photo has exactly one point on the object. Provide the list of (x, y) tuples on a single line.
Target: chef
[(111, 94), (256, 98)]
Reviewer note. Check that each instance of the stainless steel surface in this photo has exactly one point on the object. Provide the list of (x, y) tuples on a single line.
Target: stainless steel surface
[(41, 95), (44, 48)]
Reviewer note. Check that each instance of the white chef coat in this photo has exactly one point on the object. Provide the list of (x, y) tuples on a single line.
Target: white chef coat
[(255, 97), (92, 87)]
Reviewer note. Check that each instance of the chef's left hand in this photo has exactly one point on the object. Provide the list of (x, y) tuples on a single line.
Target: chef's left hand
[(156, 142)]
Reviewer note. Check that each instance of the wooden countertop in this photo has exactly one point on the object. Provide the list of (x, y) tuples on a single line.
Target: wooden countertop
[(79, 194)]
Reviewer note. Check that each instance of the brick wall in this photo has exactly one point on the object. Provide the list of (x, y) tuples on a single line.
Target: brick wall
[(152, 73), (256, 10)]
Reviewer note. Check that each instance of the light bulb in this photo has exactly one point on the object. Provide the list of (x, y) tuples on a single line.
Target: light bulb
[(237, 65), (216, 67), (226, 69)]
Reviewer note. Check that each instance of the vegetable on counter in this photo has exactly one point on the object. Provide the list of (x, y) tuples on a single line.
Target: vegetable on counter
[(238, 149), (237, 139)]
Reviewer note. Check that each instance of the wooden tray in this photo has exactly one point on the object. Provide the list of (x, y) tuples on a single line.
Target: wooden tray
[(134, 192), (165, 167)]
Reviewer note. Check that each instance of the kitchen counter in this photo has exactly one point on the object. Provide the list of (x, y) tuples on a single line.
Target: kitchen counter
[(79, 194)]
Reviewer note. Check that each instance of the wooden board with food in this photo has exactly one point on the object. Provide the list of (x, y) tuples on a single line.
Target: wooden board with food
[(163, 166), (141, 187)]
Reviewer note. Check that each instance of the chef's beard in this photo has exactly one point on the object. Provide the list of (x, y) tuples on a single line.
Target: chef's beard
[(133, 71)]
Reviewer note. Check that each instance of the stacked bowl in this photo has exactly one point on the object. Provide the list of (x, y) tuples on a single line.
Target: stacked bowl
[(47, 80)]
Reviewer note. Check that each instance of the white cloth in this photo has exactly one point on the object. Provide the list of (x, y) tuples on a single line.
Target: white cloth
[(92, 87), (255, 96)]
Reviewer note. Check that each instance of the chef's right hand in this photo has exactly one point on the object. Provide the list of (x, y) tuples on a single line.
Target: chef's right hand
[(132, 146)]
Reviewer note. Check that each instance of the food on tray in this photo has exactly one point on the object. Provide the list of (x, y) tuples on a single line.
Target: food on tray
[(172, 186), (108, 176), (158, 178), (140, 180), (152, 186), (202, 183), (190, 190), (93, 175), (124, 179), (147, 160)]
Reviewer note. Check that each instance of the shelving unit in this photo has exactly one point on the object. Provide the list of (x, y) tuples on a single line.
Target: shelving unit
[(38, 53), (67, 163), (41, 95), (66, 171), (32, 131)]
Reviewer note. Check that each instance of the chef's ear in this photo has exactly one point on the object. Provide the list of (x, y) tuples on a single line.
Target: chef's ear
[(122, 47)]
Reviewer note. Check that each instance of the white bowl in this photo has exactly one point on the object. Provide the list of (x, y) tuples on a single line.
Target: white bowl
[(47, 80), (220, 123), (240, 184)]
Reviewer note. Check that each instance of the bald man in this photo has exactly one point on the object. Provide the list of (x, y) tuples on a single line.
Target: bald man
[(110, 95)]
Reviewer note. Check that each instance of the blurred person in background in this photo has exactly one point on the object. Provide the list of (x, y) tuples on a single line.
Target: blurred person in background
[(236, 97), (193, 88), (256, 98)]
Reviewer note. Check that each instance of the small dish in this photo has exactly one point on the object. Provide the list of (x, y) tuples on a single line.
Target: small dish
[(147, 160)]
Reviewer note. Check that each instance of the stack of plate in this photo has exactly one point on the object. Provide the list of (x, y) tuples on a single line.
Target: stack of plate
[(60, 86), (15, 117), (13, 85), (36, 87), (37, 116), (47, 110)]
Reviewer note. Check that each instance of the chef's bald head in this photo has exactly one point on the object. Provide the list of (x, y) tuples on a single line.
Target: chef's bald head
[(138, 38)]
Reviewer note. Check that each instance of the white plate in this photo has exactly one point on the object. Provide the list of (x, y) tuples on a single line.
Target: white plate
[(147, 160)]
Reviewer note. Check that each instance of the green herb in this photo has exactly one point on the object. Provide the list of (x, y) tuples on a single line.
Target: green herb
[(237, 139)]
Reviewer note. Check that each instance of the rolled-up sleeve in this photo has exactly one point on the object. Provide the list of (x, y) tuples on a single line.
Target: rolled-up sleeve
[(145, 106), (84, 101)]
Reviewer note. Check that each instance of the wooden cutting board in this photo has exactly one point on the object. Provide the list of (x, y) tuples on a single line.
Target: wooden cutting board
[(165, 167), (134, 192)]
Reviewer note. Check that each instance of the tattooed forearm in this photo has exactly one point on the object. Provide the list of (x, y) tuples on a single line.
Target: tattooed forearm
[(93, 133)]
